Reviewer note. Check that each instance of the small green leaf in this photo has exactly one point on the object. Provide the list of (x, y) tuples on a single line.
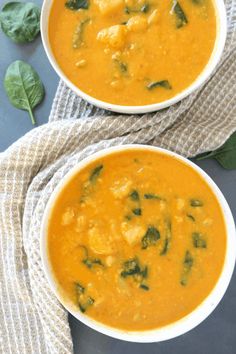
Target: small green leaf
[(151, 237), (95, 173), (144, 287), (225, 155), (191, 217), (181, 19), (79, 288), (198, 240), (187, 266), (23, 87), (152, 196), (89, 261), (85, 305), (75, 5), (163, 83), (196, 203), (167, 240), (20, 21), (133, 269), (137, 211), (78, 36), (134, 195), (130, 267)]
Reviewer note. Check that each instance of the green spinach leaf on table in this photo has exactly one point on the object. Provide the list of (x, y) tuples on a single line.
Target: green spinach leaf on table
[(23, 87), (225, 155), (20, 21)]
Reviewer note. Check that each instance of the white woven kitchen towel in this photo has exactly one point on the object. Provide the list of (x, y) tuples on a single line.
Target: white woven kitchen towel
[(31, 319)]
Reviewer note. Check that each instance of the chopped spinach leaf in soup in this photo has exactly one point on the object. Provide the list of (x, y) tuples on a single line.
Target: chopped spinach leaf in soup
[(191, 217), (84, 301), (76, 5), (152, 196), (137, 211), (181, 18), (90, 262), (79, 288), (198, 240), (78, 37), (196, 203), (154, 84), (187, 267), (95, 173), (83, 306), (167, 237), (151, 237), (134, 195)]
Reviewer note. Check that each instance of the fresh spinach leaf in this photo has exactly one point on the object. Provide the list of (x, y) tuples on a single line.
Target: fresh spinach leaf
[(225, 155), (151, 237), (75, 5), (167, 240), (198, 240), (196, 203), (23, 87), (163, 83), (20, 21), (187, 266), (181, 19)]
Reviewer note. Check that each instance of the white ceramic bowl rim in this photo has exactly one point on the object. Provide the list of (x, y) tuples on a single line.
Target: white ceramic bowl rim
[(214, 59), (186, 323)]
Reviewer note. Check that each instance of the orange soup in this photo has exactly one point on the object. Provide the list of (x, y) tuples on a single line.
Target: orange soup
[(132, 52), (136, 240)]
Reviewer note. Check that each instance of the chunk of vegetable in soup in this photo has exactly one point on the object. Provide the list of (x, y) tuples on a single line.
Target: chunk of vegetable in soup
[(139, 233), (132, 52)]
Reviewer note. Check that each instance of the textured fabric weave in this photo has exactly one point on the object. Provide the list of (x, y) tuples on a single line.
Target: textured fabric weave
[(31, 319)]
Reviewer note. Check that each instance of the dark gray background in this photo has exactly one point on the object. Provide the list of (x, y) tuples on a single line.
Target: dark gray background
[(217, 334)]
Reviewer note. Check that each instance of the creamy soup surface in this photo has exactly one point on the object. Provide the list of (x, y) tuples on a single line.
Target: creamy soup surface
[(136, 240), (132, 52)]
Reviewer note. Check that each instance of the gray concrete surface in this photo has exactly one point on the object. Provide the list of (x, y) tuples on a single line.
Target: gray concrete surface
[(217, 334)]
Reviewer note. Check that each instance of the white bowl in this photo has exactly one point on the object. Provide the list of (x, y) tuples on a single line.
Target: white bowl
[(214, 59), (176, 328)]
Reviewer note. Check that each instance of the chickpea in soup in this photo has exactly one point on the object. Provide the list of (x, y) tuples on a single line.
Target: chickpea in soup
[(136, 240), (132, 52)]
